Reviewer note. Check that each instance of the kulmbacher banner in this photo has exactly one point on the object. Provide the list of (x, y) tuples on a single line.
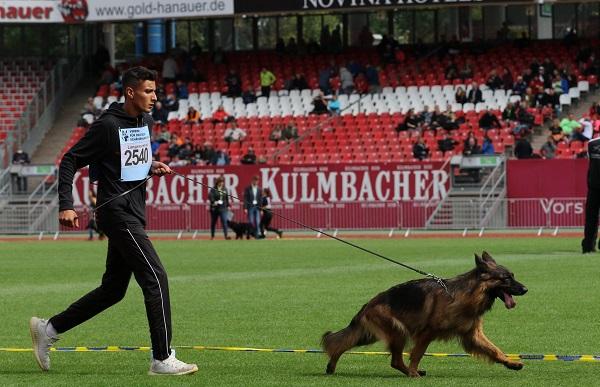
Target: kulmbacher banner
[(80, 11)]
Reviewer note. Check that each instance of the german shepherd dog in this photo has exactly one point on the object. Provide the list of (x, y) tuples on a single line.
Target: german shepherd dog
[(422, 311), (241, 229)]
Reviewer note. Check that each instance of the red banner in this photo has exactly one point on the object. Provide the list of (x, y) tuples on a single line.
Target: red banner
[(546, 193), (325, 196)]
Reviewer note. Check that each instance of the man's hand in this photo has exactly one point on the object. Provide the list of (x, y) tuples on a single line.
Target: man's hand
[(68, 218), (160, 169)]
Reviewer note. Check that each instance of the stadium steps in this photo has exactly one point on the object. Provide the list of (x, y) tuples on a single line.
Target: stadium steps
[(62, 128)]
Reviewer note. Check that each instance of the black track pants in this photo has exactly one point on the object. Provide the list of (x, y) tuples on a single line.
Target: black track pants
[(592, 207), (129, 252)]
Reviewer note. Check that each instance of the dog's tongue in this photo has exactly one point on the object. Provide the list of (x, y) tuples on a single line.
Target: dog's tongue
[(509, 302)]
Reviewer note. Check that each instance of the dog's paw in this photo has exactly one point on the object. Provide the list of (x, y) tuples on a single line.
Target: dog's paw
[(330, 369), (416, 374), (514, 365)]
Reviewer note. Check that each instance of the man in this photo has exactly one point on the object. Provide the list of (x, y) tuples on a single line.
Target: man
[(592, 203), (249, 158), (252, 203), (267, 79), (159, 114), (234, 134), (19, 159), (116, 147), (475, 95)]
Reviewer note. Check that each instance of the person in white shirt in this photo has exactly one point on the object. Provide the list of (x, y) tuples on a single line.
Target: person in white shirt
[(252, 205), (169, 70), (234, 134)]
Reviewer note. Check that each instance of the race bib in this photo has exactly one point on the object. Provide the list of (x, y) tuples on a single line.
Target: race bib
[(136, 156)]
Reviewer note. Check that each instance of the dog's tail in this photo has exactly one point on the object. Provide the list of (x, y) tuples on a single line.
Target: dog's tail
[(336, 343)]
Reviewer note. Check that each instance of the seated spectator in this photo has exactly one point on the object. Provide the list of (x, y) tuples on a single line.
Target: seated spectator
[(248, 96), (523, 149), (372, 75), (174, 147), (494, 81), (475, 96), (164, 136), (425, 116), (249, 158), (276, 134), (550, 99), (221, 158), (471, 146), (220, 115), (556, 132), (365, 37), (267, 80), (207, 152), (411, 122), (571, 127), (519, 87), (334, 106), (548, 150), (460, 96), (347, 80), (234, 84), (488, 120), (523, 115), (182, 90), (451, 71), (587, 129), (159, 113), (325, 76), (170, 103), (556, 85), (320, 105), (420, 150), (186, 152), (507, 79), (466, 72), (446, 144), (487, 148), (234, 134), (193, 116), (510, 112), (298, 82), (177, 162), (290, 132)]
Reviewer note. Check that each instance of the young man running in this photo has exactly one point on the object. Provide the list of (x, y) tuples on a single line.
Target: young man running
[(117, 149)]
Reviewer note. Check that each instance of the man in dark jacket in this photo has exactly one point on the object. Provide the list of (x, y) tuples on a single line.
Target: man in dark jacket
[(252, 203), (592, 203), (117, 149)]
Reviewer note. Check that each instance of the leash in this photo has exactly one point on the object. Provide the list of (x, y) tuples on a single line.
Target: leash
[(437, 279)]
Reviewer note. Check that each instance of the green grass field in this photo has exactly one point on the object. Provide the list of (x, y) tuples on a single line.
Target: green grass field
[(285, 294)]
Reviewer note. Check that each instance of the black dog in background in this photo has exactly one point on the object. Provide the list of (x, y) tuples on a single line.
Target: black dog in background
[(241, 229)]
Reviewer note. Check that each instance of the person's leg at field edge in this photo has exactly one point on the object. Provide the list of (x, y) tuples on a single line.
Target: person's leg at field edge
[(592, 207)]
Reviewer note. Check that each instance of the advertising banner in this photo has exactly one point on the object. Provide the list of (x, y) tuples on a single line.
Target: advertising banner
[(546, 193), (79, 11), (332, 196)]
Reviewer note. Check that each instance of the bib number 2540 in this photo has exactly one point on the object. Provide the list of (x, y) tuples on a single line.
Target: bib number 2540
[(136, 156)]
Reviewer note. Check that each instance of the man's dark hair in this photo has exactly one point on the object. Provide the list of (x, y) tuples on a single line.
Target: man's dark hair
[(133, 76)]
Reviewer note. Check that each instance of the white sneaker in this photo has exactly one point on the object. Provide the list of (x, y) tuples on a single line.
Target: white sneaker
[(41, 342), (171, 366)]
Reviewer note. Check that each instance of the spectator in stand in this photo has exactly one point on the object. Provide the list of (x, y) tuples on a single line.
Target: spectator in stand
[(234, 84), (248, 96), (280, 46), (170, 103), (320, 105), (556, 132), (347, 80), (193, 116), (355, 68), (298, 82), (548, 150), (488, 120), (519, 87), (164, 136), (276, 134), (557, 85), (509, 113), (372, 75), (507, 79), (325, 76), (550, 99), (336, 40), (471, 145), (182, 90), (594, 112), (20, 158), (487, 147), (446, 144), (249, 158), (451, 71), (221, 158), (186, 152), (221, 116), (529, 99), (460, 96), (159, 113), (292, 47), (475, 96), (267, 79), (177, 162), (523, 149), (466, 72), (154, 146), (290, 132), (494, 81), (334, 106), (571, 127), (365, 38), (234, 134), (207, 152), (587, 129), (411, 122), (174, 146), (420, 149), (425, 117), (170, 70)]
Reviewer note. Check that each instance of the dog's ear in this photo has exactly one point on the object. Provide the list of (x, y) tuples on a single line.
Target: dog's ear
[(482, 264), (488, 258)]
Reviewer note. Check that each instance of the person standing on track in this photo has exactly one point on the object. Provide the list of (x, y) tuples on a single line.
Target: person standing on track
[(592, 202), (267, 215), (117, 149)]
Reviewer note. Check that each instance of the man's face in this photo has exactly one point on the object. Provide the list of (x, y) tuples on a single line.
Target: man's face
[(143, 96)]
